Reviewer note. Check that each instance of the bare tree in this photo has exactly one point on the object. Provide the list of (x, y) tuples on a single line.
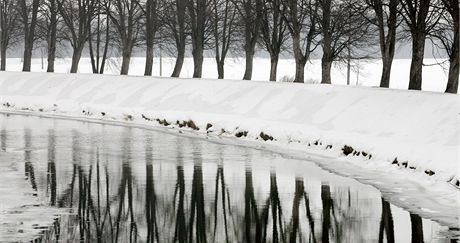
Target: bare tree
[(48, 25), (99, 34), (385, 17), (420, 17), (77, 16), (250, 13), (126, 15), (446, 34), (173, 19), (274, 32), (223, 29), (8, 28), (301, 20), (152, 25), (199, 17), (28, 11), (343, 29)]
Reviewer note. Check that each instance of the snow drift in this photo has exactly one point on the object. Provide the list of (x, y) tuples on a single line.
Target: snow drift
[(410, 129)]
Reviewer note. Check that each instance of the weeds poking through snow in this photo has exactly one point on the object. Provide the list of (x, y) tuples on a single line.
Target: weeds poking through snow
[(85, 112), (347, 150), (241, 134), (430, 173), (128, 118), (192, 125), (265, 137), (163, 122), (7, 105)]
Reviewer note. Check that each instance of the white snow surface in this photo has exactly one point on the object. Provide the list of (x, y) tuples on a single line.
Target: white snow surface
[(422, 128)]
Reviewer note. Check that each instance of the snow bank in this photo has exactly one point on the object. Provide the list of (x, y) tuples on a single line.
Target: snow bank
[(414, 130)]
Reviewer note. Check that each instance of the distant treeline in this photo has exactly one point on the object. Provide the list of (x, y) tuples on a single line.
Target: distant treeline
[(342, 30)]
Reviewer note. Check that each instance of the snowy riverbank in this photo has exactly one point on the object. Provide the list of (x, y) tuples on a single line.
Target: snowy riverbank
[(417, 132)]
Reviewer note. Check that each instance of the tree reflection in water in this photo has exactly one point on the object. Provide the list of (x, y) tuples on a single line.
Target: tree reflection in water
[(113, 203)]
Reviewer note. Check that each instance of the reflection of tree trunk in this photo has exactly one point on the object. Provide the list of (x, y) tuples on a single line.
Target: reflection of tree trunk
[(251, 214), (28, 166), (417, 228), (299, 192), (150, 197), (121, 196), (3, 140), (386, 223), (220, 175), (276, 210), (327, 205), (51, 176), (180, 233), (126, 186), (311, 221), (67, 196), (82, 204), (197, 207), (133, 228)]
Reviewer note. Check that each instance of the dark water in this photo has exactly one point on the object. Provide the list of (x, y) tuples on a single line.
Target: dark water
[(121, 184)]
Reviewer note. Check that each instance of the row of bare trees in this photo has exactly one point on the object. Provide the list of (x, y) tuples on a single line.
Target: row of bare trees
[(339, 29)]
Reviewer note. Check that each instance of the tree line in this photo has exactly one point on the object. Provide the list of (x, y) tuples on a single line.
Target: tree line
[(339, 29)]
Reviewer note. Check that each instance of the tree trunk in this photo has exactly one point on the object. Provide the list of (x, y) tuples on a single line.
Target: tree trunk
[(418, 48), (197, 62), (149, 60), (327, 58), (51, 58), (106, 47), (325, 71), (220, 69), (348, 67), (387, 43), (76, 59), (299, 71), (29, 36), (27, 56), (179, 63), (273, 67), (452, 82), (387, 61), (52, 37), (3, 57), (249, 64), (125, 62)]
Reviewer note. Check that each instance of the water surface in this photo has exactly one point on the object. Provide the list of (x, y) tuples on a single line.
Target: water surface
[(122, 184)]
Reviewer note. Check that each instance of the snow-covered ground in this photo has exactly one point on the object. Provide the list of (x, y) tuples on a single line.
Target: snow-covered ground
[(400, 135), (420, 128), (364, 72)]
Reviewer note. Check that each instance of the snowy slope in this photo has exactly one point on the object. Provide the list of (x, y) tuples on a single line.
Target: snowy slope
[(420, 129)]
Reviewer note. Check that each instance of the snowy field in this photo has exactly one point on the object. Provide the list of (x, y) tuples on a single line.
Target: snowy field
[(364, 72)]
